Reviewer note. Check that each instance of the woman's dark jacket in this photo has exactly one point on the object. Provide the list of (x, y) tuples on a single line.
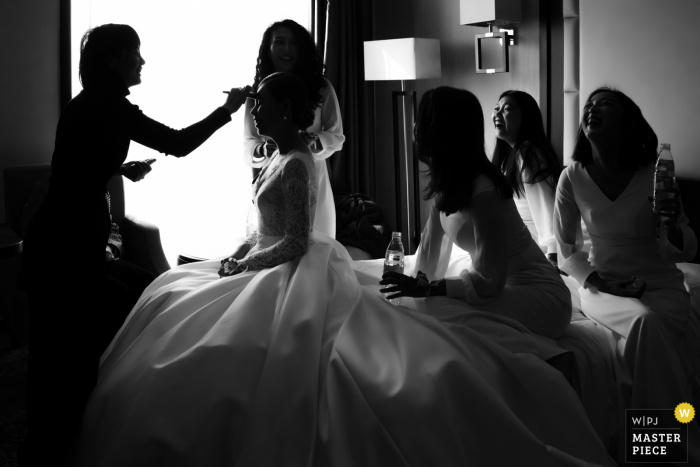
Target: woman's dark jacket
[(92, 142)]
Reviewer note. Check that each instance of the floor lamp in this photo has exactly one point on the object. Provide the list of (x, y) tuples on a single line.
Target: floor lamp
[(404, 59)]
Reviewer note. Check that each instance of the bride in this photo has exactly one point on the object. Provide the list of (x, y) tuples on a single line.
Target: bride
[(278, 355)]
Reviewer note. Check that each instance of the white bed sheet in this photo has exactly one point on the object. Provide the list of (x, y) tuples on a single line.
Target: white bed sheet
[(602, 379)]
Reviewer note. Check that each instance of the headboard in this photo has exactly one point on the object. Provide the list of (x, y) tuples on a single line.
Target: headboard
[(690, 195)]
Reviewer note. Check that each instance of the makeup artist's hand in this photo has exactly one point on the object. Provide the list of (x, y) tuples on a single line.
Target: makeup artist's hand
[(136, 170), (236, 98)]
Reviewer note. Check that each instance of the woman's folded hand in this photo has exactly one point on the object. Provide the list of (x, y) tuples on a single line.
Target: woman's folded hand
[(631, 288)]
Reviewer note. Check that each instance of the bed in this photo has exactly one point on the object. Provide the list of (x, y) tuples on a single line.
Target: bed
[(601, 382)]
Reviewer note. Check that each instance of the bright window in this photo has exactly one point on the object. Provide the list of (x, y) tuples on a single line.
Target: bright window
[(193, 51)]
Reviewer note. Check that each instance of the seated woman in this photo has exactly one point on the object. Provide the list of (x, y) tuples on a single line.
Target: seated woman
[(473, 209), (629, 281), (287, 360), (527, 159)]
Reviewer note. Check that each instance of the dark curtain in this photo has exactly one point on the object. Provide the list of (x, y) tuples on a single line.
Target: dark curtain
[(64, 29), (346, 24)]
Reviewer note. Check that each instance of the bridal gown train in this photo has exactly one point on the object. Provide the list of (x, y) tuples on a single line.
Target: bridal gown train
[(301, 364)]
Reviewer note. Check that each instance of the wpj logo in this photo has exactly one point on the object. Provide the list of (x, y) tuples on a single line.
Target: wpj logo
[(657, 435)]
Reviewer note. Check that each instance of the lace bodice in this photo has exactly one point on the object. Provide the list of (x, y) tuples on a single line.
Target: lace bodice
[(285, 196)]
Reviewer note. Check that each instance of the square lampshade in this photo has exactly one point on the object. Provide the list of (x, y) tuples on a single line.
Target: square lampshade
[(402, 59)]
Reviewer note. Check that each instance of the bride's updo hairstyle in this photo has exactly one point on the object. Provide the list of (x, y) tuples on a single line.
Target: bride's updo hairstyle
[(285, 85), (97, 46), (449, 137)]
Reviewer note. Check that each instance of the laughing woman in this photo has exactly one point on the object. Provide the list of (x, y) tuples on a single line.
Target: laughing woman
[(629, 281), (527, 159)]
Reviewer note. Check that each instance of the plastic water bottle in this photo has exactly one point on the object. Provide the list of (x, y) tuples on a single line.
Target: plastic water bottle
[(394, 259), (664, 177)]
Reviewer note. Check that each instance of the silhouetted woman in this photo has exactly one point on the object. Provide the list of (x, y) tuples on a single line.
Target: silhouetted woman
[(527, 159), (288, 47), (69, 327)]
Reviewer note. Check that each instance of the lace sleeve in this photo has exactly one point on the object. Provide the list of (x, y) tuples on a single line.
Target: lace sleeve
[(295, 187)]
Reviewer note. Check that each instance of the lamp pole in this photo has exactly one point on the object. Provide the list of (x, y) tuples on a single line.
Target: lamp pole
[(409, 234)]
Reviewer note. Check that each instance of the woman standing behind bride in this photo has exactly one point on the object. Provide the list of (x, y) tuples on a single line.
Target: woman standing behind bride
[(288, 47)]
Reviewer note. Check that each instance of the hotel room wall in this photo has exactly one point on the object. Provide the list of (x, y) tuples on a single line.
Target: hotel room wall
[(648, 50), (439, 19), (29, 85)]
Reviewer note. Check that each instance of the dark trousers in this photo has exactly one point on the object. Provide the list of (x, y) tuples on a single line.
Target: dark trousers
[(72, 322)]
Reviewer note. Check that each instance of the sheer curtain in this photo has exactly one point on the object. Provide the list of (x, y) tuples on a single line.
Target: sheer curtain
[(193, 51)]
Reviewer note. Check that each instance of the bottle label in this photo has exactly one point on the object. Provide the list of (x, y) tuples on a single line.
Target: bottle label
[(663, 182)]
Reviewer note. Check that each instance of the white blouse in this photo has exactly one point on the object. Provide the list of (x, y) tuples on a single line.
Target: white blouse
[(626, 235), (536, 208), (328, 126)]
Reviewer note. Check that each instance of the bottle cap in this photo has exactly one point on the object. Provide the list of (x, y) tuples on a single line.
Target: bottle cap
[(665, 146), (395, 234)]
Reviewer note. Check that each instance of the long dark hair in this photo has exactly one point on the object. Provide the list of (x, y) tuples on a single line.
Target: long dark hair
[(289, 86), (533, 146), (449, 136), (97, 46), (309, 65), (639, 142)]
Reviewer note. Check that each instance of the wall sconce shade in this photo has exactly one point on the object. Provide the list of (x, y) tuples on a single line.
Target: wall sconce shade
[(402, 59), (491, 52), (483, 12)]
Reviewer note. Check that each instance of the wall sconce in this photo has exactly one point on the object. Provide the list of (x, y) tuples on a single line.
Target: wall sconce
[(404, 59), (491, 48)]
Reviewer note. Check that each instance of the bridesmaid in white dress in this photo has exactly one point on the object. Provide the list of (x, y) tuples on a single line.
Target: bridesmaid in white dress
[(287, 360), (474, 209), (288, 47), (527, 159), (629, 280)]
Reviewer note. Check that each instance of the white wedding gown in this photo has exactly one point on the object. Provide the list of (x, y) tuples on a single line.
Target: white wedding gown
[(305, 364)]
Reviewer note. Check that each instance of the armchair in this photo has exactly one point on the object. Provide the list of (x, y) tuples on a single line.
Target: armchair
[(142, 245)]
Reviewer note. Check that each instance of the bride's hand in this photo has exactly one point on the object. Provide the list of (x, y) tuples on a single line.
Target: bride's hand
[(230, 267)]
